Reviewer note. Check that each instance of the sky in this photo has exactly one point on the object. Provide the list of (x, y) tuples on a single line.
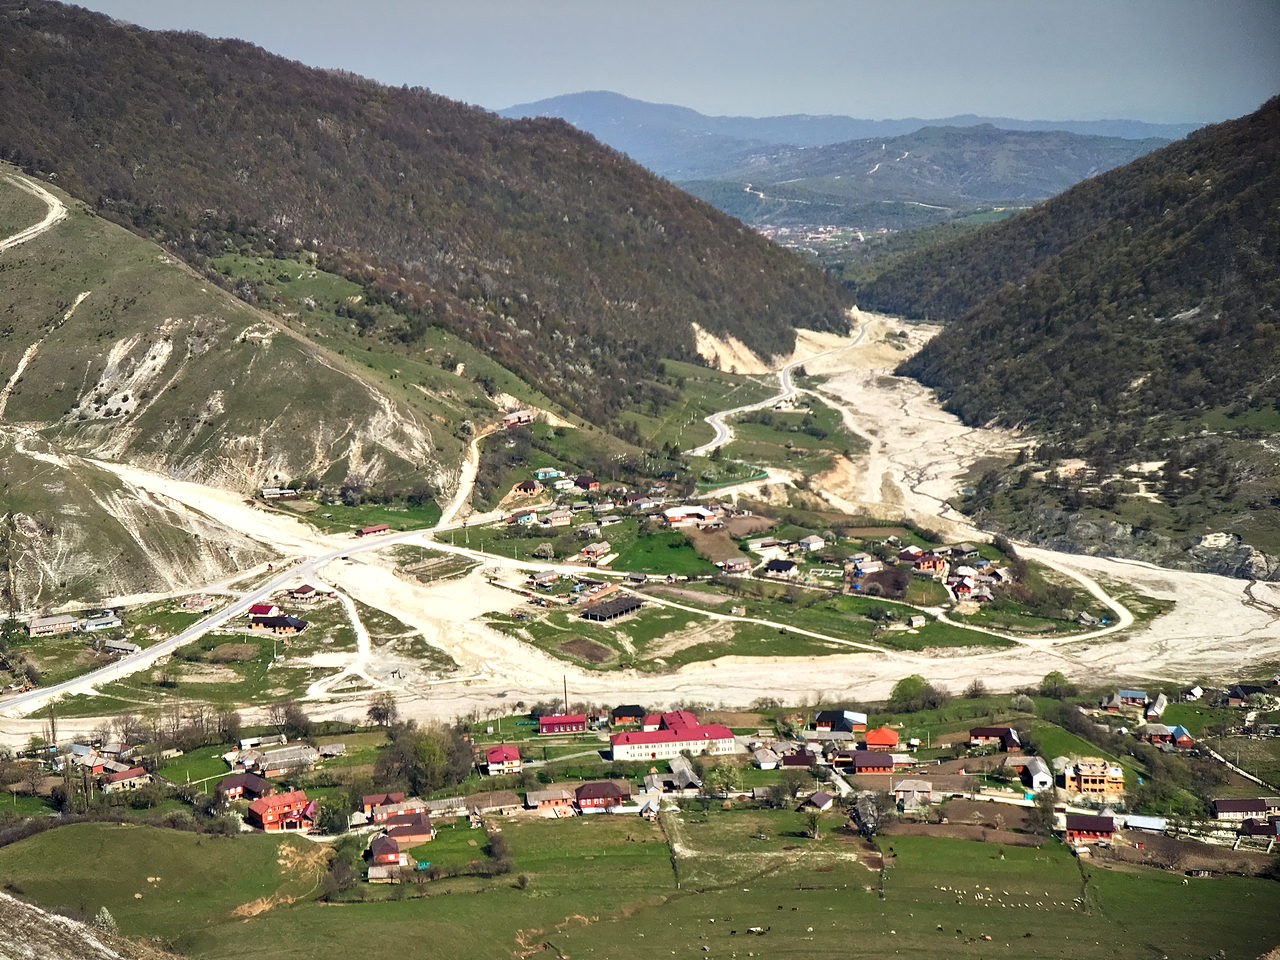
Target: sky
[(1155, 60)]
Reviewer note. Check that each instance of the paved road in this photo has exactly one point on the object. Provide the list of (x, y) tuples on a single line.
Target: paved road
[(788, 391)]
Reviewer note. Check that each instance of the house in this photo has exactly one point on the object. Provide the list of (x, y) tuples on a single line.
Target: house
[(551, 798), (662, 744), (121, 648), (108, 621), (1239, 695), (811, 543), (1156, 708), (1133, 698), (373, 800), (1239, 809), (916, 621), (527, 487), (734, 565), (282, 811), (517, 418), (630, 713), (930, 565), (264, 610), (241, 785), (599, 795), (865, 567), (1195, 693), (1180, 737), (609, 520), (821, 800), (586, 482), (385, 851), (547, 473), (595, 551), (1095, 776), (881, 738), (386, 812), (637, 579), (1034, 772), (964, 551), (374, 530), (410, 829), (781, 569), (1156, 733), (912, 794), (800, 758), (689, 516), (870, 761), (1112, 703), (557, 518), (846, 721), (910, 553), (563, 723), (48, 626), (561, 485), (281, 626), (121, 780), (309, 594), (765, 758), (199, 602), (1257, 827), (502, 759), (503, 802), (333, 750), (522, 518), (1004, 737), (294, 758), (611, 609), (1089, 828)]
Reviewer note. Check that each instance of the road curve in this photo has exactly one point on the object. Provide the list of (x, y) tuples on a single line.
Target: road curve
[(788, 391), (56, 213)]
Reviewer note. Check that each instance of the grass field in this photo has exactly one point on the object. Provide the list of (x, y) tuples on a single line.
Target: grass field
[(336, 518), (611, 887), (204, 763)]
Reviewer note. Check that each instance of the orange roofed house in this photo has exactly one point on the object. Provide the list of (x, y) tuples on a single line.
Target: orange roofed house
[(882, 738), (284, 811)]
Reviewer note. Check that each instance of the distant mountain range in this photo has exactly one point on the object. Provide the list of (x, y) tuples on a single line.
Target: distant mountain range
[(788, 169), (683, 144)]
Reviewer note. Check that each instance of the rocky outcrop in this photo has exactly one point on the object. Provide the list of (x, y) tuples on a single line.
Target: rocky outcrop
[(1225, 554)]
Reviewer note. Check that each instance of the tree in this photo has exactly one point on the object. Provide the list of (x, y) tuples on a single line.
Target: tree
[(331, 816), (104, 921), (914, 693), (793, 781), (383, 711), (975, 689), (1040, 817), (724, 778), (1056, 685), (813, 825)]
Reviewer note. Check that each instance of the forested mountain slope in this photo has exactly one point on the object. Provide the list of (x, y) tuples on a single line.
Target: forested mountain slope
[(570, 264), (1131, 319)]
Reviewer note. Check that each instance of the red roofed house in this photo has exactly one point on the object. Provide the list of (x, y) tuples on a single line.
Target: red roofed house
[(130, 779), (284, 811), (563, 723), (651, 722), (384, 812), (264, 610), (503, 759), (385, 851), (599, 795), (677, 719), (376, 528), (372, 800), (882, 738), (1089, 828)]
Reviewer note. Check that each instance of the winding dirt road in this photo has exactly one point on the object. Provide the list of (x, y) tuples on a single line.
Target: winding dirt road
[(57, 212)]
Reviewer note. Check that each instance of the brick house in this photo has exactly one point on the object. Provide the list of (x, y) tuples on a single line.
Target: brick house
[(243, 785), (283, 811), (386, 852), (881, 738), (123, 780), (369, 801), (1089, 828), (563, 723), (599, 795)]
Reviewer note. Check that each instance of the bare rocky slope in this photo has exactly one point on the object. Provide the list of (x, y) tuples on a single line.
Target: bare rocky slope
[(30, 933)]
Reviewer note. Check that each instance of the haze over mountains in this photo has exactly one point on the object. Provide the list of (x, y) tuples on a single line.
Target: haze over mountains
[(881, 174), (683, 144)]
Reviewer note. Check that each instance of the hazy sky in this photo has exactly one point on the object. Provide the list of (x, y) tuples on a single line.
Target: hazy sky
[(1159, 60)]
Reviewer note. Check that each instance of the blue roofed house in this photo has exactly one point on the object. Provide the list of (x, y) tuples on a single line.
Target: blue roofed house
[(1134, 698)]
